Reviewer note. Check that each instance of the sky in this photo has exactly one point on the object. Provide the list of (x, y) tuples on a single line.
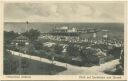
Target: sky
[(64, 12)]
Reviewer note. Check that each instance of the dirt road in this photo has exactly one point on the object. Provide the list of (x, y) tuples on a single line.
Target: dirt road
[(72, 69)]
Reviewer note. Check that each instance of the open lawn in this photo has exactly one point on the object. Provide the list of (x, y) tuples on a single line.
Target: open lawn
[(38, 68)]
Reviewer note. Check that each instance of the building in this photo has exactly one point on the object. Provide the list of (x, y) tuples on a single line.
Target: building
[(20, 41), (22, 44), (64, 31)]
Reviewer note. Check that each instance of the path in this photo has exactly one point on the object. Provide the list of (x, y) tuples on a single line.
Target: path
[(72, 69)]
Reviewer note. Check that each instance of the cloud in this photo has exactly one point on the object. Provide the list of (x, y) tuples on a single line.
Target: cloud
[(62, 12)]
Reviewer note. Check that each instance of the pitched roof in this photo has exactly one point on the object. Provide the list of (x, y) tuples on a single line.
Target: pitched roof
[(21, 37)]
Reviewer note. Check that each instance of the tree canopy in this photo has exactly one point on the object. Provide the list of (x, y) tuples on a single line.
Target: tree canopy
[(32, 34), (73, 49), (9, 36), (57, 49)]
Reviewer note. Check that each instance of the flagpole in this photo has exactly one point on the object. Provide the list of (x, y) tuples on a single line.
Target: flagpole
[(26, 25)]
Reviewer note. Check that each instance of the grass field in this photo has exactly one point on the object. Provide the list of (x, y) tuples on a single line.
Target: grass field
[(39, 68)]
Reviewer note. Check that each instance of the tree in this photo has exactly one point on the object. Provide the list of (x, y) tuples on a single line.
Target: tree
[(57, 49), (89, 55), (9, 36), (32, 34), (116, 51), (122, 58), (38, 45), (73, 49)]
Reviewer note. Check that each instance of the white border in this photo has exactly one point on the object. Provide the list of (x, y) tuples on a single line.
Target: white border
[(57, 77)]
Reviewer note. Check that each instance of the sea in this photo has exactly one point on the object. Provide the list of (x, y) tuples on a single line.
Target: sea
[(115, 29)]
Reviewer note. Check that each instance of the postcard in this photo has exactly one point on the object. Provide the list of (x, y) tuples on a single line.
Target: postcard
[(63, 40)]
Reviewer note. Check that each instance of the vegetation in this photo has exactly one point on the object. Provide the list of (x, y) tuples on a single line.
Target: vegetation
[(9, 36), (57, 49), (79, 50), (120, 67), (38, 45), (32, 34), (116, 51), (72, 50), (10, 65)]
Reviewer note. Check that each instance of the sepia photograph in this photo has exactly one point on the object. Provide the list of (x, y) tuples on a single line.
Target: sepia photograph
[(64, 38)]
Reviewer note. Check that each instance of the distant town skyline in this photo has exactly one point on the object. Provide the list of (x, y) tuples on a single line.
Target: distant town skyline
[(65, 12)]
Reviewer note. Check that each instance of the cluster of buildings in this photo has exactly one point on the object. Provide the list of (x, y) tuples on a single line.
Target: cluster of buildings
[(73, 35), (76, 35)]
